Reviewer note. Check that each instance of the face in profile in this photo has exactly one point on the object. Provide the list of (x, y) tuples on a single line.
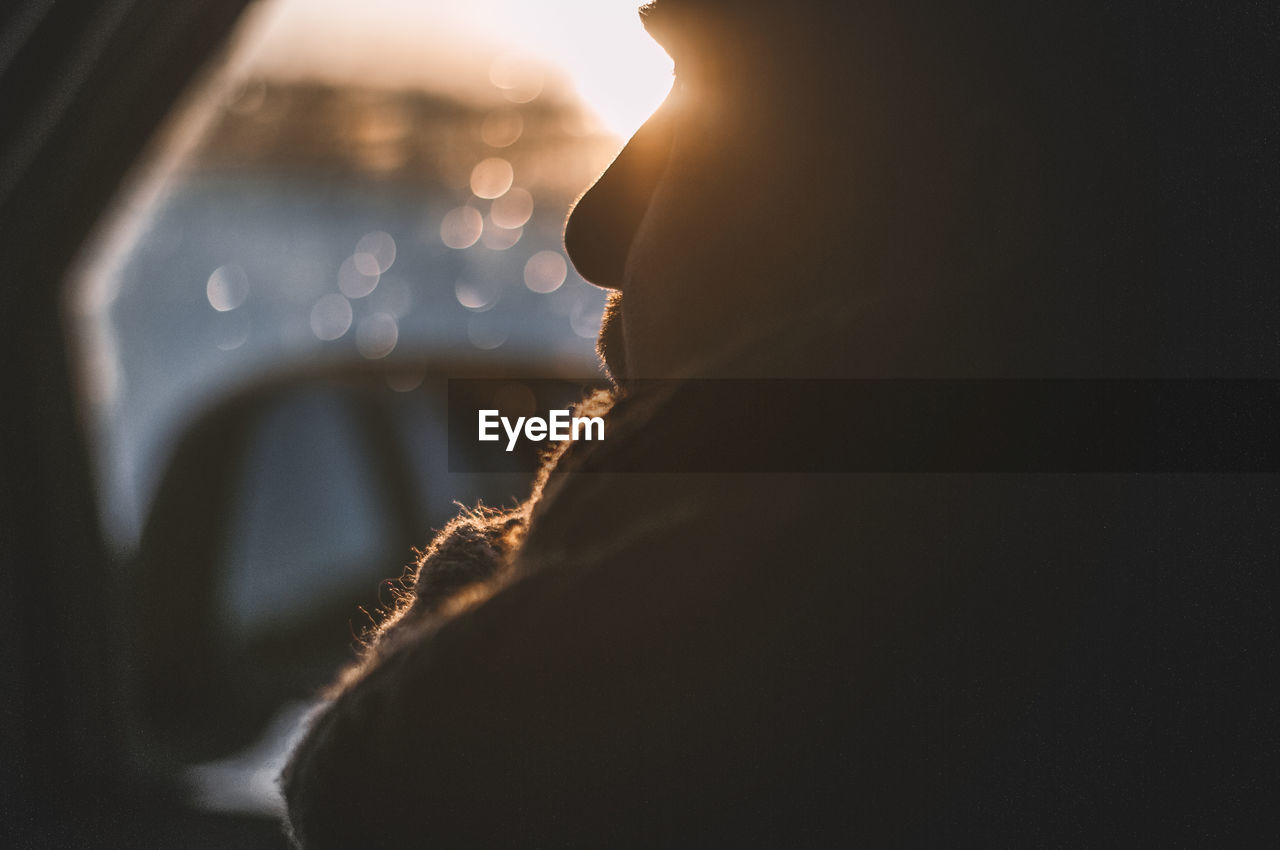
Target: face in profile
[(685, 223), (902, 169), (755, 194)]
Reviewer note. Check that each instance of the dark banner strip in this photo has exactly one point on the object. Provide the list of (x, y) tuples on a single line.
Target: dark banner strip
[(835, 426)]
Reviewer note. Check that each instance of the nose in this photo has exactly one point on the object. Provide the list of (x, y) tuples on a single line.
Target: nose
[(603, 222)]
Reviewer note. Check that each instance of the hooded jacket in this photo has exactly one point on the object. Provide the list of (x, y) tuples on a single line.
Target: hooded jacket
[(802, 659)]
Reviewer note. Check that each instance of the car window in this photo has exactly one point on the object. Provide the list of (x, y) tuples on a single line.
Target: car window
[(354, 203)]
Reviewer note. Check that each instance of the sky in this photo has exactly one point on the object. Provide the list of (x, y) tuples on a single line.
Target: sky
[(597, 47)]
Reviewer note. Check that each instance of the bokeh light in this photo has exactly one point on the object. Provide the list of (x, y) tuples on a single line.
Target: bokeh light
[(358, 275), (227, 288), (379, 247), (331, 317), (491, 178), (497, 238), (545, 272), (519, 77), (502, 128), (478, 296), (513, 209), (461, 227), (376, 335)]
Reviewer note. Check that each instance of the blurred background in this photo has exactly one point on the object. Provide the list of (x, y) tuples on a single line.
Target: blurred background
[(355, 203)]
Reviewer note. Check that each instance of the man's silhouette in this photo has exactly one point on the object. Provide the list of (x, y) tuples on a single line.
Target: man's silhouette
[(906, 190)]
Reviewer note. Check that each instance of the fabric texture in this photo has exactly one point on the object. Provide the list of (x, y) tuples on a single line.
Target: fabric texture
[(810, 660)]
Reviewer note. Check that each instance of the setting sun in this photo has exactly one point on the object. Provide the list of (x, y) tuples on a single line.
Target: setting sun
[(596, 48)]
